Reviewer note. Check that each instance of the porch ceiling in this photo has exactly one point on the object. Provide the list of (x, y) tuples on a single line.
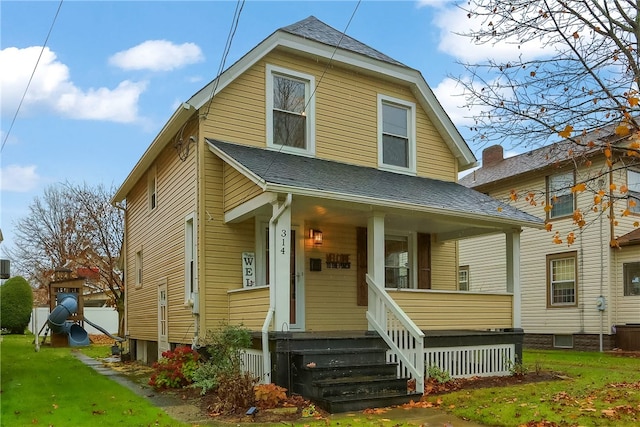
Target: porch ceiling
[(326, 191)]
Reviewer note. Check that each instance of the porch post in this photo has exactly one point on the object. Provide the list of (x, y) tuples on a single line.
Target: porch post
[(375, 258), (280, 262), (513, 274)]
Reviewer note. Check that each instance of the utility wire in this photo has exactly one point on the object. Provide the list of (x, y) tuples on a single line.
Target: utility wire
[(15, 116), (227, 48)]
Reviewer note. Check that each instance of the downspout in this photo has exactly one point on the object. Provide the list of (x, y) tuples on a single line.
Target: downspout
[(266, 355)]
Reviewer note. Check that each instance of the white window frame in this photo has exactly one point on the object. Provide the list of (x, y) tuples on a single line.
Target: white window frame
[(138, 269), (464, 270), (630, 289), (550, 284), (152, 188), (309, 111), (190, 258), (411, 134), (561, 193), (412, 251)]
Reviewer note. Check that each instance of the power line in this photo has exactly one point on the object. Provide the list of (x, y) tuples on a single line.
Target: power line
[(227, 48), (15, 116)]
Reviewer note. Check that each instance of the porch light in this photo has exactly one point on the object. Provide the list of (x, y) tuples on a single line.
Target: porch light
[(315, 236)]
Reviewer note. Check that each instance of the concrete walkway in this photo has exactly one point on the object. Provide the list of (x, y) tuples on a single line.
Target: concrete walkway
[(190, 413)]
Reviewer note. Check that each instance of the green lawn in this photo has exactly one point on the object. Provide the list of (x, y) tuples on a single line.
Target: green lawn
[(53, 388), (599, 389)]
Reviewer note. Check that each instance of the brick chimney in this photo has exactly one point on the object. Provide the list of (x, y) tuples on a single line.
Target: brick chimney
[(492, 155)]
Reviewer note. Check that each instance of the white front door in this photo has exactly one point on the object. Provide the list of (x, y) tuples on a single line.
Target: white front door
[(163, 332)]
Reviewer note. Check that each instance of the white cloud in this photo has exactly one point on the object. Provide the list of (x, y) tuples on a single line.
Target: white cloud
[(157, 55), (20, 179), (52, 90), (450, 94)]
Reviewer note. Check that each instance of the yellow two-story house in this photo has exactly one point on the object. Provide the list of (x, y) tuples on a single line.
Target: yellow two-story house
[(309, 193)]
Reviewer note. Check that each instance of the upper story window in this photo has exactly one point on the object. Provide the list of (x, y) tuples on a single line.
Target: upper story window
[(562, 286), (631, 272), (559, 194), (152, 194), (633, 183), (396, 134), (463, 278), (290, 111)]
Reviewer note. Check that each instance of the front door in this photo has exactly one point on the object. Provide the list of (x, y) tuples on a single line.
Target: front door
[(163, 333)]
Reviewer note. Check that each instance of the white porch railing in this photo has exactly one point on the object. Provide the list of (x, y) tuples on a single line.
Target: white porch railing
[(253, 361), (472, 361), (404, 338), (265, 378)]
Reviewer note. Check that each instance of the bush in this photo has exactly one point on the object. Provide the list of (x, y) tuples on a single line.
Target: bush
[(175, 369), (16, 302)]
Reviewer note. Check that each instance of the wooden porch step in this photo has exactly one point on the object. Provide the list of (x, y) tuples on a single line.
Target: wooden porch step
[(339, 356), (339, 404), (358, 386)]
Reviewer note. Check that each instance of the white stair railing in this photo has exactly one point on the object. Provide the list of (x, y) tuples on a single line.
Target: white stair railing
[(404, 338), (266, 354)]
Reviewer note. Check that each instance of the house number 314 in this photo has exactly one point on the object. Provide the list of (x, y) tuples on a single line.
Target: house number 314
[(283, 234)]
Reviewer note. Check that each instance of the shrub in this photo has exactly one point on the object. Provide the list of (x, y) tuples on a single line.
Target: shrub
[(16, 302), (234, 392), (175, 369), (439, 375), (223, 348), (269, 395)]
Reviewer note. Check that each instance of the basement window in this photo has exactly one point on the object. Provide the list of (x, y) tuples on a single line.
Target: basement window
[(563, 341)]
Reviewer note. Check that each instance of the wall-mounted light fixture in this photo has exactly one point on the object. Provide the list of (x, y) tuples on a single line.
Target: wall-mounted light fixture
[(315, 236)]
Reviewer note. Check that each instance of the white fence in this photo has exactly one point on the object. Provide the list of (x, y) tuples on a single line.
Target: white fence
[(475, 361), (252, 361), (105, 317)]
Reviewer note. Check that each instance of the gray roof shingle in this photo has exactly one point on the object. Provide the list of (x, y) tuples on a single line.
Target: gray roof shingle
[(295, 171), (314, 29)]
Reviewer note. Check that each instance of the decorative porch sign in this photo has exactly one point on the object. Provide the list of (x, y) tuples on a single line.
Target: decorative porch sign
[(248, 269)]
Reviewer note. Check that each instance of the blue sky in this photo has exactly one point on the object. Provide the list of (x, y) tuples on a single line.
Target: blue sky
[(112, 73)]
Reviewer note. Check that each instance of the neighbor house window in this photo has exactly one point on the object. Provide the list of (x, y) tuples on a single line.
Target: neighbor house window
[(152, 188), (397, 262), (633, 183), (290, 107), (631, 272), (138, 269), (563, 341), (396, 134), (559, 194), (463, 278), (561, 275), (189, 258)]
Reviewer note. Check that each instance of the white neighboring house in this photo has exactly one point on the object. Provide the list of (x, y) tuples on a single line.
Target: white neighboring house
[(573, 296)]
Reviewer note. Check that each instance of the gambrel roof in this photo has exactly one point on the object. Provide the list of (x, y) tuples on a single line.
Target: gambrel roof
[(281, 172)]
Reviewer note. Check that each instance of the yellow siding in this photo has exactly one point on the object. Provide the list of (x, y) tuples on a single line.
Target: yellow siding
[(238, 114), (249, 307), (431, 310), (237, 188), (444, 268), (331, 293), (159, 234)]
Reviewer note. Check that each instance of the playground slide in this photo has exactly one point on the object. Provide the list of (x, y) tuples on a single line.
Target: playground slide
[(58, 322), (104, 331)]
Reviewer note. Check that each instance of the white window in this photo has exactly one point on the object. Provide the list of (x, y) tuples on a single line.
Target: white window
[(559, 194), (397, 262), (138, 269), (396, 135), (631, 271), (152, 188), (190, 266), (290, 111), (562, 284), (633, 183), (463, 278)]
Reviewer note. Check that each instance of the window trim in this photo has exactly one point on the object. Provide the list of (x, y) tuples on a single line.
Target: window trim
[(558, 256), (549, 196), (138, 269), (190, 263), (412, 252), (635, 210), (152, 188), (465, 269), (411, 134), (627, 267), (309, 80)]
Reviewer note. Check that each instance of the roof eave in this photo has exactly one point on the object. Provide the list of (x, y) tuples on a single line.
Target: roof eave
[(172, 126)]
